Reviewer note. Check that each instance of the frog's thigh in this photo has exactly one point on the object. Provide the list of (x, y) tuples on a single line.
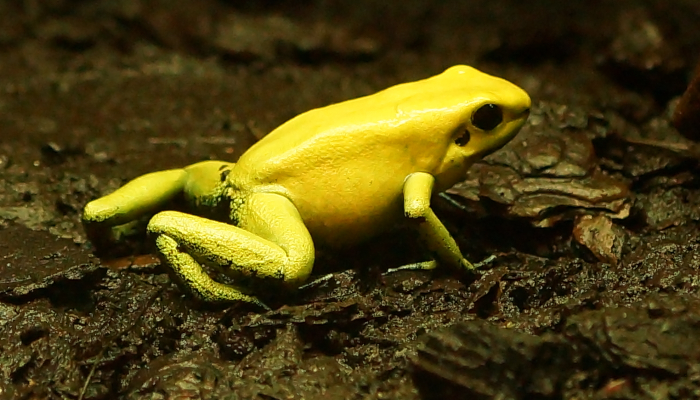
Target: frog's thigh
[(203, 178), (418, 189), (271, 242), (273, 217)]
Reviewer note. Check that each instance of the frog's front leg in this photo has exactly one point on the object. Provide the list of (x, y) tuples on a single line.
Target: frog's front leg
[(417, 190), (271, 241)]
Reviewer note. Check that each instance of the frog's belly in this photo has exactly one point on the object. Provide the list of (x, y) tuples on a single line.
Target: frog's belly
[(345, 223)]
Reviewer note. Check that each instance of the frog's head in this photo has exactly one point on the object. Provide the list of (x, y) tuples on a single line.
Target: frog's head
[(480, 114)]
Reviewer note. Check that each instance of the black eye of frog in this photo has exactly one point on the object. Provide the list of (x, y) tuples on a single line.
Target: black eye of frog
[(487, 117)]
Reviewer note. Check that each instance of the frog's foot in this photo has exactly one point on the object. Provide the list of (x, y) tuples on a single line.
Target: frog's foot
[(428, 265), (316, 282), (272, 243), (486, 261), (421, 266)]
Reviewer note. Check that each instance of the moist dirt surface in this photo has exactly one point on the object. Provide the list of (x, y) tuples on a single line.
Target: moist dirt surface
[(592, 212)]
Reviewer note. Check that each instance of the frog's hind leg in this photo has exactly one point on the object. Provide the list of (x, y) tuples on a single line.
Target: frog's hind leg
[(148, 194), (271, 242), (140, 196), (108, 218), (151, 192), (190, 273)]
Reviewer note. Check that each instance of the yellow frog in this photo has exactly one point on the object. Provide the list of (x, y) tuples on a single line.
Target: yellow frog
[(334, 176)]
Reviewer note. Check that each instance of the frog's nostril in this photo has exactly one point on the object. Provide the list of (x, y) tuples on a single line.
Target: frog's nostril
[(463, 139)]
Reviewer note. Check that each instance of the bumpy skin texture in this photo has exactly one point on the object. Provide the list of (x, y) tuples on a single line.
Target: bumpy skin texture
[(335, 176)]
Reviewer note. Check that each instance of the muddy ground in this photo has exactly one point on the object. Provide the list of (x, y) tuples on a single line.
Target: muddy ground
[(592, 211)]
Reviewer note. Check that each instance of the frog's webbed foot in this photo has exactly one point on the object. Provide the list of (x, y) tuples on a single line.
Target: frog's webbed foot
[(271, 243)]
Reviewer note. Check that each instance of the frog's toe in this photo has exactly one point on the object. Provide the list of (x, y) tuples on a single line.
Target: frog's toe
[(419, 266), (484, 262), (260, 304)]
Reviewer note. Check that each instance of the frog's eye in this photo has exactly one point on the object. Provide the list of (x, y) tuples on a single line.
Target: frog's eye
[(487, 117)]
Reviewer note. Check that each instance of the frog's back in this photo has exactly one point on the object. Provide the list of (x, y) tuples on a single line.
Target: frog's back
[(331, 136), (343, 166)]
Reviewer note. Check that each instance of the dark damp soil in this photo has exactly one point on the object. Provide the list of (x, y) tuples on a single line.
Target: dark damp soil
[(593, 211)]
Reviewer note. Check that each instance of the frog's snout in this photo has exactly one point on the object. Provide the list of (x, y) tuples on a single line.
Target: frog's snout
[(521, 115)]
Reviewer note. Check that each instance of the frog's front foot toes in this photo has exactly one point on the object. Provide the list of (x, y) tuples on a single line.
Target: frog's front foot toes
[(419, 266), (476, 266)]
